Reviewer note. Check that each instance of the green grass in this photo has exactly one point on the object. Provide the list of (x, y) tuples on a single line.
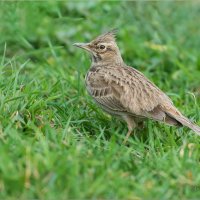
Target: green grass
[(55, 143)]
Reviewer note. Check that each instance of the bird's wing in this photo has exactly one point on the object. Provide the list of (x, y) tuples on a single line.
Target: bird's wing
[(124, 89), (148, 100), (104, 92), (151, 102), (138, 94)]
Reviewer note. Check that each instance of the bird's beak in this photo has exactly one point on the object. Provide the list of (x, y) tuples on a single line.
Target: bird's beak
[(85, 46)]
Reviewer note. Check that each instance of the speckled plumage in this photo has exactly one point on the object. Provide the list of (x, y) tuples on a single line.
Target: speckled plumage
[(124, 91)]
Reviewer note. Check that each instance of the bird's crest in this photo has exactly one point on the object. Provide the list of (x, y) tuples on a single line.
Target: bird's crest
[(107, 37)]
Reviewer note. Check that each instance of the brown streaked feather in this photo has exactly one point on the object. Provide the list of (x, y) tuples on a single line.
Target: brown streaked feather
[(175, 114), (129, 90), (106, 37), (106, 94), (126, 90)]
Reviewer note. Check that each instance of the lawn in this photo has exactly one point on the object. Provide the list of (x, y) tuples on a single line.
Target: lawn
[(55, 143)]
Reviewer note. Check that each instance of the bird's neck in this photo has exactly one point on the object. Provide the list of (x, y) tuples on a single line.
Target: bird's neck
[(99, 61)]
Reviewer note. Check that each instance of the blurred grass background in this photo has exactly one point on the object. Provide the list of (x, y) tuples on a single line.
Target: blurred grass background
[(55, 143)]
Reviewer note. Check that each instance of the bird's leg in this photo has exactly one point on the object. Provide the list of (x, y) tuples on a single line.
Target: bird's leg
[(131, 125), (127, 136)]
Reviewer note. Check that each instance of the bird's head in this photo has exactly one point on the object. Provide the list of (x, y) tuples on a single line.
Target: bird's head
[(103, 48)]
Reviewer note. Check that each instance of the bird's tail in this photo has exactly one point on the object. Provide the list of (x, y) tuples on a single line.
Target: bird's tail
[(174, 113)]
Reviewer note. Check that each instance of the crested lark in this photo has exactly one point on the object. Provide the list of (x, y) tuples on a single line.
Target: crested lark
[(124, 91)]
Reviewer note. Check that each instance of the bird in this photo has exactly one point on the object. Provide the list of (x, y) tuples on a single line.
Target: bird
[(123, 91)]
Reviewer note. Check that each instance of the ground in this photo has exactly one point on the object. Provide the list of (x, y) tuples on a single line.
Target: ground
[(55, 143)]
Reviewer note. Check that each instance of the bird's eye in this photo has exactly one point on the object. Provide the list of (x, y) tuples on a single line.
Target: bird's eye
[(102, 47)]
